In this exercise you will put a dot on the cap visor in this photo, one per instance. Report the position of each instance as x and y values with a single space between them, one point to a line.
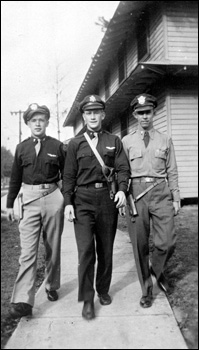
144 108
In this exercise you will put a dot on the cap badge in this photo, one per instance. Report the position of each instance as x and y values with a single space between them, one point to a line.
141 100
92 99
33 106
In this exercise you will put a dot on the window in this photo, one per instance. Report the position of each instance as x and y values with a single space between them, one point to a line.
143 37
122 62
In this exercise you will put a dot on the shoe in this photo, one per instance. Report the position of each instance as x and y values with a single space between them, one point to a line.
88 310
146 300
161 281
52 295
105 299
20 309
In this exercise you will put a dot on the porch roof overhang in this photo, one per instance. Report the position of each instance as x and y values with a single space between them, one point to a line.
140 80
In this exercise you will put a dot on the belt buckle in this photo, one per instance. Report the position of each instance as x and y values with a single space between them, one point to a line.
41 187
98 185
148 179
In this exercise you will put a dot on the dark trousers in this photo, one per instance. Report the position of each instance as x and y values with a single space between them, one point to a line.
156 214
95 229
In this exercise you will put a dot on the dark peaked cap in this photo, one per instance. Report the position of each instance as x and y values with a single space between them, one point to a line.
91 102
143 101
33 109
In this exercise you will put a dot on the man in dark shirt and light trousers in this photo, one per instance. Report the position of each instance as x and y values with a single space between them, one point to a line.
89 205
37 170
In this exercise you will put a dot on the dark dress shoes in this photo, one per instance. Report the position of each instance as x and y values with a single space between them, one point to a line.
161 281
105 299
20 309
52 295
146 300
88 310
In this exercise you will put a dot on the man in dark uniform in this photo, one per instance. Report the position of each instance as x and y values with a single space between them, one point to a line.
89 204
155 180
37 169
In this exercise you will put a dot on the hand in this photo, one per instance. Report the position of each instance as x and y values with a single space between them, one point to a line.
69 213
120 198
10 214
176 206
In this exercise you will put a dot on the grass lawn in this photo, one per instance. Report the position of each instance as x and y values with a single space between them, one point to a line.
10 250
182 271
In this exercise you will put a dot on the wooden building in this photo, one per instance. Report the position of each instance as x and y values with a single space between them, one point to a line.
152 47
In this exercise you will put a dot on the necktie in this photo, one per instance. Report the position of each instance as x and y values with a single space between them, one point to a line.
38 146
95 139
146 138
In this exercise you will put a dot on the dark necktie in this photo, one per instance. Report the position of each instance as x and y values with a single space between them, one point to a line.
146 138
38 146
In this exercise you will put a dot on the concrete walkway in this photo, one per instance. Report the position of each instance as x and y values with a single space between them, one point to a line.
121 325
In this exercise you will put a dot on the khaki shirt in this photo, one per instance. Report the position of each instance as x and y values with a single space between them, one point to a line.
157 160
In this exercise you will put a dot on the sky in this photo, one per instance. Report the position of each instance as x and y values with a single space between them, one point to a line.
46 47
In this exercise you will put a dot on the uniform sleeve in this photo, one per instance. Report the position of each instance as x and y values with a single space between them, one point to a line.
172 172
62 156
15 179
70 173
122 167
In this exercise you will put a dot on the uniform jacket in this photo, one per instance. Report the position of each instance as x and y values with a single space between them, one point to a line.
83 168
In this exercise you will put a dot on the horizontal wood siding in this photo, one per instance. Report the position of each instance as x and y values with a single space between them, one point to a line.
156 38
184 128
132 124
115 127
160 118
114 79
182 30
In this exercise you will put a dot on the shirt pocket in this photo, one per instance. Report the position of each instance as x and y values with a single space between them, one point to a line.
84 159
26 162
109 157
160 159
51 167
135 154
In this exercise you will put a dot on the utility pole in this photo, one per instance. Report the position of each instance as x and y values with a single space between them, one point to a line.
57 103
18 113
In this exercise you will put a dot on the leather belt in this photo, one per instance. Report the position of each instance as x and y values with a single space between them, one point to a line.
39 187
95 185
147 179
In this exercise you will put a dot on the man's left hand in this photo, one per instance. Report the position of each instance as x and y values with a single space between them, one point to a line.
120 198
176 206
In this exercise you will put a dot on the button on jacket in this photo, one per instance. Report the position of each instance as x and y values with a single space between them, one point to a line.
157 160
46 167
83 168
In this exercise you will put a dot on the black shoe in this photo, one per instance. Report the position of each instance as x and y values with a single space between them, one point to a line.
146 300
20 309
52 295
105 299
88 310
161 281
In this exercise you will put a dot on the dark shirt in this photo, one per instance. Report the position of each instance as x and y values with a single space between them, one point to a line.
28 168
83 168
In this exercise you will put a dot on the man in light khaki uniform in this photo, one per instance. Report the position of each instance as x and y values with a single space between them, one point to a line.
154 178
